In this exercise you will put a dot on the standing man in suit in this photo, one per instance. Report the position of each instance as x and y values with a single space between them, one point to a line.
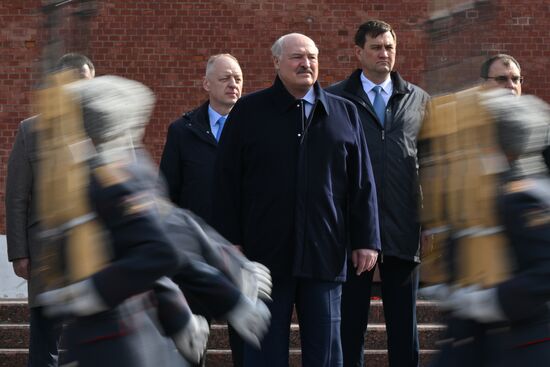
391 111
189 154
22 223
294 188
192 142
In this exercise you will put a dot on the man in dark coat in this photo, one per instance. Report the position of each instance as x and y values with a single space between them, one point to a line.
295 190
391 112
189 155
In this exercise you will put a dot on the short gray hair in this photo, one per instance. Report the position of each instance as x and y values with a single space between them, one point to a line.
212 59
277 48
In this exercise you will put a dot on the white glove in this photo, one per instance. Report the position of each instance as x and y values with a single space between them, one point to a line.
437 292
250 320
78 299
256 281
191 340
476 304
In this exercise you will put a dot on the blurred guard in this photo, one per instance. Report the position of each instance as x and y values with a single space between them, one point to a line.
110 328
22 223
509 324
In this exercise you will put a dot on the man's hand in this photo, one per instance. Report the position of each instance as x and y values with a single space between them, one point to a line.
363 260
22 267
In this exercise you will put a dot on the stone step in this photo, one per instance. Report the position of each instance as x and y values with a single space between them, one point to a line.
378 358
222 358
17 336
13 357
14 331
16 311
429 335
13 312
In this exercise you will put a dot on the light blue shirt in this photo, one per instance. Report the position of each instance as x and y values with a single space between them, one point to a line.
310 99
386 92
213 116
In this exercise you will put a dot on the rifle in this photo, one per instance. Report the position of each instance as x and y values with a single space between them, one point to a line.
74 246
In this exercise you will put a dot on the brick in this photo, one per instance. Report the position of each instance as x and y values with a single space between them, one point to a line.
167 42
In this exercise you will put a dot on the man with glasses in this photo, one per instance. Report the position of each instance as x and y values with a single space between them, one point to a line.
502 71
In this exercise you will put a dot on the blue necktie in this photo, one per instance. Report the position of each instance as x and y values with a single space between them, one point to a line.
220 123
379 104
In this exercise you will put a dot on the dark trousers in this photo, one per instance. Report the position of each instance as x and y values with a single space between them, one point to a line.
468 343
399 288
44 340
120 337
237 346
318 309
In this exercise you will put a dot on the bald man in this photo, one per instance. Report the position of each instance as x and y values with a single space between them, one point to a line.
191 144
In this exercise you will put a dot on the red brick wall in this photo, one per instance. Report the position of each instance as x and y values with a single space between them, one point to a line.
165 44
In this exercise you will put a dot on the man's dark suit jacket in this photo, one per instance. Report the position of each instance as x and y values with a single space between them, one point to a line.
188 160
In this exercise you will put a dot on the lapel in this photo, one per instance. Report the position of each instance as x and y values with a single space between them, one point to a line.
354 91
200 125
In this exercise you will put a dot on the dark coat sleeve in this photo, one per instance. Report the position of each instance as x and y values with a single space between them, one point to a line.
170 163
172 309
142 252
226 210
210 275
527 221
19 184
209 292
364 226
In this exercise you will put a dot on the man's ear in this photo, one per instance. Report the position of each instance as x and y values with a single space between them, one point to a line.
206 84
358 52
276 62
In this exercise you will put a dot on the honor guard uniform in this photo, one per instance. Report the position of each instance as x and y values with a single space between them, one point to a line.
508 324
109 325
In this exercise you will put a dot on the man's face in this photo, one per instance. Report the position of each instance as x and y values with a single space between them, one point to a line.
377 56
224 83
298 65
502 76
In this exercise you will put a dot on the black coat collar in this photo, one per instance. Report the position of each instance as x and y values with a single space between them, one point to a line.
199 122
284 100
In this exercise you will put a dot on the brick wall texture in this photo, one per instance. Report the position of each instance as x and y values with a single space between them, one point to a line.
165 45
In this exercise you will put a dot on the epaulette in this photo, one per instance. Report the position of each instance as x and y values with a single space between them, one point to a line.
518 186
537 218
110 175
138 203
